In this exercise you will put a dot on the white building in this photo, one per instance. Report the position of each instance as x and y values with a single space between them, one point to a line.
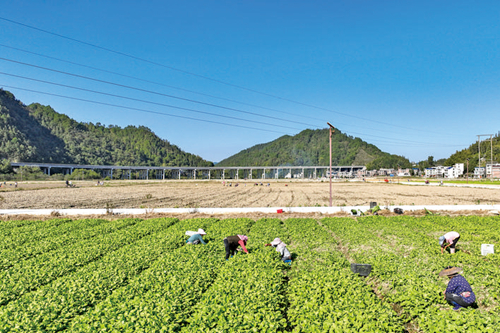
455 171
479 172
435 171
445 172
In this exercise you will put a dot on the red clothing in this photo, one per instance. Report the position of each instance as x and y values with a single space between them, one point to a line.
242 244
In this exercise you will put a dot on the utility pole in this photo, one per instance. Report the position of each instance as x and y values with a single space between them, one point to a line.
467 171
491 143
479 149
331 129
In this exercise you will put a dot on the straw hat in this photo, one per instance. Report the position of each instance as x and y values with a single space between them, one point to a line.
450 271
201 232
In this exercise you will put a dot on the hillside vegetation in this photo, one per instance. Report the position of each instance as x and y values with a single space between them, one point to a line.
37 133
472 153
310 147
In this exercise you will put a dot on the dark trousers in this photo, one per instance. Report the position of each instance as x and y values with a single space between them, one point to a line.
454 243
230 248
454 298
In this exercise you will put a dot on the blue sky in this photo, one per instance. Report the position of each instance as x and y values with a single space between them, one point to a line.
415 78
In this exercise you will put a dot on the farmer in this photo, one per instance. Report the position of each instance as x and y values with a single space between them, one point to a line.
231 243
281 248
458 293
196 237
449 239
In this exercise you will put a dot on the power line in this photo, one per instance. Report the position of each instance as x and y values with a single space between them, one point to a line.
145 101
141 110
152 92
209 78
159 83
204 112
174 87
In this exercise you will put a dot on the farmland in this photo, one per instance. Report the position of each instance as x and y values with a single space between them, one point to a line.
136 275
206 194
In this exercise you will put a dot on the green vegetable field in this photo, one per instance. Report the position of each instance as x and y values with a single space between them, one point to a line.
135 275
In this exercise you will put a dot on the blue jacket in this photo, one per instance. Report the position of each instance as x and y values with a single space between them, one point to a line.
458 285
196 237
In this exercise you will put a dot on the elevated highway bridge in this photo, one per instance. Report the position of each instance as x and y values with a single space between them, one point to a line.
216 172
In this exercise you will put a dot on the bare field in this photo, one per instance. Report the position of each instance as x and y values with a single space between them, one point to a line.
195 194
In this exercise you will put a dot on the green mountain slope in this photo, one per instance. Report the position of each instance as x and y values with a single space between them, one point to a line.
472 153
310 147
37 133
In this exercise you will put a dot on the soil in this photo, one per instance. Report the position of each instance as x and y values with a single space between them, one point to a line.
206 194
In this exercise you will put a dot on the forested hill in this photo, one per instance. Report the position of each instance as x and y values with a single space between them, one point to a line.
310 147
472 153
37 133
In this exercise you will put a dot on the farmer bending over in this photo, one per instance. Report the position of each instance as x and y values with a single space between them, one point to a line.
449 239
231 243
281 248
458 293
196 237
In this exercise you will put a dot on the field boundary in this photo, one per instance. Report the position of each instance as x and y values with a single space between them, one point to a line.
485 209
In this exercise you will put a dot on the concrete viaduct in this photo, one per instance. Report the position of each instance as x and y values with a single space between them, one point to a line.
241 172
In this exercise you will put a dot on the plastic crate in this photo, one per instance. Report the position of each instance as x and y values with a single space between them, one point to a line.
361 269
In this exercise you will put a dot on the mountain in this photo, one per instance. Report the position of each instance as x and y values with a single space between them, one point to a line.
37 133
310 147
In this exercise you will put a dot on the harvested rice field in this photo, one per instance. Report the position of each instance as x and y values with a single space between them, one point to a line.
197 194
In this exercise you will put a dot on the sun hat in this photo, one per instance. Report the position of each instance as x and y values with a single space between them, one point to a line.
450 271
441 240
275 242
243 238
201 232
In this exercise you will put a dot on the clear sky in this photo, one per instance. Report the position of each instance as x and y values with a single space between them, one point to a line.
415 78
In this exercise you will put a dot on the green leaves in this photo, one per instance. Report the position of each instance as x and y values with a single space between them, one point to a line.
138 276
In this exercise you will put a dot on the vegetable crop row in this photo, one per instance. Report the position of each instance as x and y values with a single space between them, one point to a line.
52 307
249 292
15 237
73 232
6 226
406 260
324 295
28 275
162 297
